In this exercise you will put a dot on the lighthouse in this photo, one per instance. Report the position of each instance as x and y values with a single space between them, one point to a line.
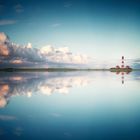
121 68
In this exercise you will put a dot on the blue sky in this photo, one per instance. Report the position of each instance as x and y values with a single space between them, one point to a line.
99 28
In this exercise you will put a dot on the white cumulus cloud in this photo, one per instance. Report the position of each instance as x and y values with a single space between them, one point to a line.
46 55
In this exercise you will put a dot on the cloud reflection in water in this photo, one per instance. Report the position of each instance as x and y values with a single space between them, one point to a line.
17 84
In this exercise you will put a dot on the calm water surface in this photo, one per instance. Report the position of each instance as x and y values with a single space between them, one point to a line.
70 105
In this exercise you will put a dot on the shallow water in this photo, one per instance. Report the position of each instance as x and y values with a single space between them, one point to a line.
70 105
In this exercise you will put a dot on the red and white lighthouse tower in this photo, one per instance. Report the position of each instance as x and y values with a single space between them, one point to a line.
122 66
121 69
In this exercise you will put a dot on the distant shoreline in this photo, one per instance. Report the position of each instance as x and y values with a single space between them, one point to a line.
56 69
48 69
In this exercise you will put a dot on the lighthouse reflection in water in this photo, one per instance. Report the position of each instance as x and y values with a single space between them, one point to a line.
69 105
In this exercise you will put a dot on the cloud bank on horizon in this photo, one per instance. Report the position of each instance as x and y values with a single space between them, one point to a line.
12 54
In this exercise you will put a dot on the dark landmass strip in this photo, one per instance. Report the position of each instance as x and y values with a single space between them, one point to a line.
48 69
62 69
